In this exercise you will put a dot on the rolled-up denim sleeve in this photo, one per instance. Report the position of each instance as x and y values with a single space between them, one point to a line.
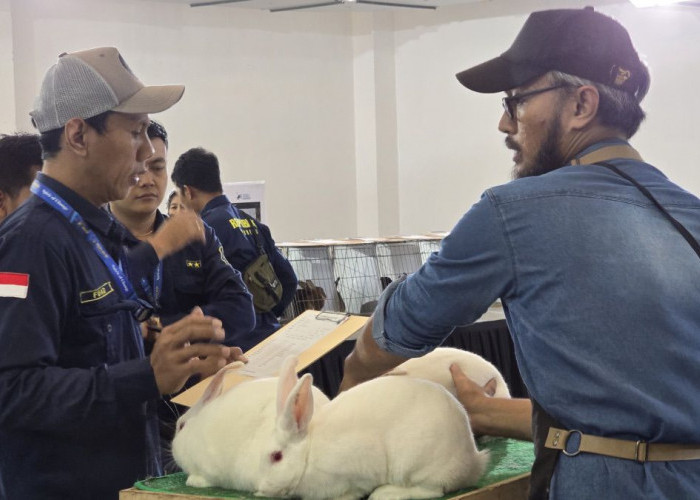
454 287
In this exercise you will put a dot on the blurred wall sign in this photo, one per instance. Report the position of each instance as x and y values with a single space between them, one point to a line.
247 196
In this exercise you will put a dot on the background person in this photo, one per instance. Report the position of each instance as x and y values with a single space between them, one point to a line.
195 276
77 393
599 288
197 177
174 204
20 160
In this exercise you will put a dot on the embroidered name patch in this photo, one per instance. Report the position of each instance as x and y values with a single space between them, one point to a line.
97 294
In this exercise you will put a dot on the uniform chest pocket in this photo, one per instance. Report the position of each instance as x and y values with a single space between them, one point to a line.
105 324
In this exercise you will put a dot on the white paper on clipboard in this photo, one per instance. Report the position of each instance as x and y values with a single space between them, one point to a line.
308 336
297 338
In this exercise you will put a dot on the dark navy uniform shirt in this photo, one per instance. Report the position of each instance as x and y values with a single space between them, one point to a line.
199 275
235 233
77 412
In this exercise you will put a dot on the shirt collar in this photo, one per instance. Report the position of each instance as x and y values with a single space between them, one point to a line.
127 235
98 219
218 201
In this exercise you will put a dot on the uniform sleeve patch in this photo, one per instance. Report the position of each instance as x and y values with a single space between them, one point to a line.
14 285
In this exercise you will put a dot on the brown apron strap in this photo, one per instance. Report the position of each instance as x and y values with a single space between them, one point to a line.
545 458
608 153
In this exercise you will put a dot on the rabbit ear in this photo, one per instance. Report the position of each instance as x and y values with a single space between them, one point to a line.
295 414
216 386
287 381
490 387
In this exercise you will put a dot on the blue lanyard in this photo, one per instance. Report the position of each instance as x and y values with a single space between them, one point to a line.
143 309
154 293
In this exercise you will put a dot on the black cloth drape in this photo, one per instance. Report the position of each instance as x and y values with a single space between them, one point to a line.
489 339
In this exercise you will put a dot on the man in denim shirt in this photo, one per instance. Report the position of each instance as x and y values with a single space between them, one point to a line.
600 290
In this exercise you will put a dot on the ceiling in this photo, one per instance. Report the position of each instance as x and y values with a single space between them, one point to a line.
375 5
282 5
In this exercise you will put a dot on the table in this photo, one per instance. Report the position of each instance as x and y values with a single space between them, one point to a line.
505 479
516 488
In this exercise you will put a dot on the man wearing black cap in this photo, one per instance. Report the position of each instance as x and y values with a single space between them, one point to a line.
594 255
77 393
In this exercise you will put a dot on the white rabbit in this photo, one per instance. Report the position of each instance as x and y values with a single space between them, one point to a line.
435 366
394 437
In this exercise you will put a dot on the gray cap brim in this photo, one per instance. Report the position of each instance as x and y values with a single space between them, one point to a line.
153 99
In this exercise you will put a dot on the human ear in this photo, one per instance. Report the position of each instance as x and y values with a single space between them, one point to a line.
75 133
586 102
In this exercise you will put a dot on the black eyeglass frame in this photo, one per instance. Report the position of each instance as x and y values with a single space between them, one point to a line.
511 103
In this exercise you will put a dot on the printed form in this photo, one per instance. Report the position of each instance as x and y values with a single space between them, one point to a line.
297 337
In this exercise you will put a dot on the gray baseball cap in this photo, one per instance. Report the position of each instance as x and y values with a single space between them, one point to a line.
86 83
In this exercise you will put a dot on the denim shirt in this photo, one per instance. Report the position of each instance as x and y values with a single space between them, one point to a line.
601 297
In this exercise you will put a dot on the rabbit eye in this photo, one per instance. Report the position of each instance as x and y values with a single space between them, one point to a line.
275 456
180 426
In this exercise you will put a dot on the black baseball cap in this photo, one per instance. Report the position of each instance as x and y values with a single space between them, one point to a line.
579 42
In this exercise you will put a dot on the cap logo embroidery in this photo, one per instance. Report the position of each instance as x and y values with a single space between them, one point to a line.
621 76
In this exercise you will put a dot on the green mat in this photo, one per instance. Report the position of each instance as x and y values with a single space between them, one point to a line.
509 458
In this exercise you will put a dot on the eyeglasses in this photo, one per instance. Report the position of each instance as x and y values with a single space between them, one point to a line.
510 104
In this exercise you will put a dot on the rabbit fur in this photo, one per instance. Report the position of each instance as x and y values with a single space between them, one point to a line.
435 366
394 437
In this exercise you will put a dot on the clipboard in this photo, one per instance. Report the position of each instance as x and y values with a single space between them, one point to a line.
308 337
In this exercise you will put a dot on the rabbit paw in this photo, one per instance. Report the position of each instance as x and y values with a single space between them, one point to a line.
197 481
393 492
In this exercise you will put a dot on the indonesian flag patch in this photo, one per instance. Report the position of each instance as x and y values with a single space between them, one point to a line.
14 285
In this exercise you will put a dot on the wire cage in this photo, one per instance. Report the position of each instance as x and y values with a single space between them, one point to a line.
357 275
430 244
313 265
349 275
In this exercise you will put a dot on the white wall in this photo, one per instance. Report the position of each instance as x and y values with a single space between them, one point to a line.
7 85
450 149
270 95
354 120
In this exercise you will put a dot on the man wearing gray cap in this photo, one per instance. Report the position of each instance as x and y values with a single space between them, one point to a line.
77 393
594 255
